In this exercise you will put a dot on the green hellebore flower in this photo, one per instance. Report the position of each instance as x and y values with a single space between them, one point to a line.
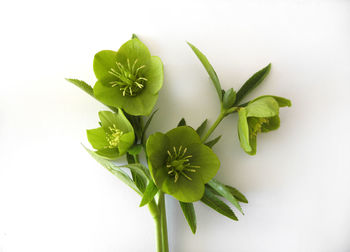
180 164
129 79
114 137
260 115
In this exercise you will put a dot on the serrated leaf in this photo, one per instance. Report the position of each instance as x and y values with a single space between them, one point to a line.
224 192
201 128
150 192
138 168
190 215
182 122
218 205
82 85
119 173
213 142
212 74
252 83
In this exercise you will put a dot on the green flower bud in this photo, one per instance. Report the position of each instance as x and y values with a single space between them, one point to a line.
229 98
260 115
114 137
180 164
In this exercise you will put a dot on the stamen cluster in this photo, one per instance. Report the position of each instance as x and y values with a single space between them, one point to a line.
178 163
114 137
129 78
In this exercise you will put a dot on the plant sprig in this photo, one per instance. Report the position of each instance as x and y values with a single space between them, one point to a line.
180 162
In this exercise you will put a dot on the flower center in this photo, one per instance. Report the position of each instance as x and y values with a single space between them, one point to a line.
113 138
257 127
178 163
129 77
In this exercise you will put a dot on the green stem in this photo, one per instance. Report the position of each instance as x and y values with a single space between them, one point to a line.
222 115
213 127
153 208
161 205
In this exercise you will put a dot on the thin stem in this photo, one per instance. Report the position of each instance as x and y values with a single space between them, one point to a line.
161 205
222 115
213 127
153 208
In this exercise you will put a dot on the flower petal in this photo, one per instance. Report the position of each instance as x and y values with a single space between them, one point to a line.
156 148
109 96
134 49
108 119
155 75
263 107
183 189
125 142
183 135
205 159
243 130
97 138
103 62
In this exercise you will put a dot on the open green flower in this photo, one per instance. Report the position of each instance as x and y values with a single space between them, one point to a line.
180 164
260 115
114 137
129 79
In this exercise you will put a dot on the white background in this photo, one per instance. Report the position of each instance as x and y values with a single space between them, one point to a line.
54 197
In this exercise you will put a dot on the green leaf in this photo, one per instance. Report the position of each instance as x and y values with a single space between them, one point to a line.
224 192
136 149
134 36
252 83
229 98
243 130
211 143
137 168
182 122
119 173
237 194
218 205
201 128
139 180
212 74
82 85
190 215
147 125
150 192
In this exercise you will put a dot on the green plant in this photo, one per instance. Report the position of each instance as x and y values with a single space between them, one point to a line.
181 162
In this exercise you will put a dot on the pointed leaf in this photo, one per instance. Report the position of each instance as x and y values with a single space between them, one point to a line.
190 215
237 194
82 85
252 83
150 192
218 205
138 168
229 98
201 128
119 173
211 143
182 122
225 192
212 74
147 124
